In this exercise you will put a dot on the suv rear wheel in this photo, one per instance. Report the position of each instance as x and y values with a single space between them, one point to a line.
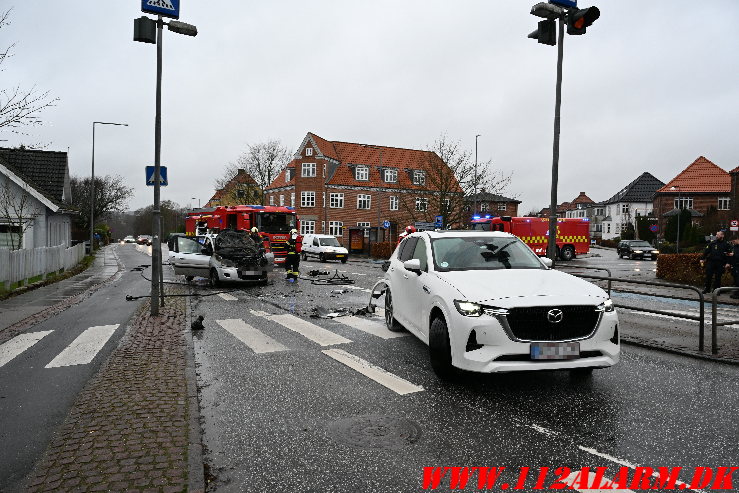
567 253
214 281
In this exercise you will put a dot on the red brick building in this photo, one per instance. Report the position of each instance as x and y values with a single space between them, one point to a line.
335 186
241 189
703 188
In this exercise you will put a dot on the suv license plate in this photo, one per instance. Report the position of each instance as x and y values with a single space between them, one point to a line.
555 350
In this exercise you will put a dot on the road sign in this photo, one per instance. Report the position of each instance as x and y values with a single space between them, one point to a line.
166 8
565 3
421 226
439 221
386 224
162 176
654 228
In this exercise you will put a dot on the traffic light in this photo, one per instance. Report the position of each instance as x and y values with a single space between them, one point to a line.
546 33
579 19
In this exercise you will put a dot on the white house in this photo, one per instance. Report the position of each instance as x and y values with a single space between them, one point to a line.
35 193
634 200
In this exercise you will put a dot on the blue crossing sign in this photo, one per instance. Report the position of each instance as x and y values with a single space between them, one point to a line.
386 224
165 8
162 176
439 221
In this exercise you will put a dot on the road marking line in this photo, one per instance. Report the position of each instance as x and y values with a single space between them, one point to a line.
358 274
20 343
83 349
228 297
257 341
383 377
370 326
359 289
317 334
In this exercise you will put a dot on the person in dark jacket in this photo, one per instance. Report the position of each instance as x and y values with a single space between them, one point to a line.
716 261
292 262
734 261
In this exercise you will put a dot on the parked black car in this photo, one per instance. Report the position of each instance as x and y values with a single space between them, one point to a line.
636 249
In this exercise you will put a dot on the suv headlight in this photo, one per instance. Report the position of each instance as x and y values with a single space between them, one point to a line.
606 306
468 309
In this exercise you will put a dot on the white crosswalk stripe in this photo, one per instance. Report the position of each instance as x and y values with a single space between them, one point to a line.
258 341
379 375
370 326
309 330
84 348
228 297
20 343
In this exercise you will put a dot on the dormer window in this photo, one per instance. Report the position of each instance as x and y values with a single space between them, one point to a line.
308 151
361 173
391 175
419 177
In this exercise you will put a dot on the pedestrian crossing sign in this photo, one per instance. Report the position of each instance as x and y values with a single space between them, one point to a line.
162 176
165 8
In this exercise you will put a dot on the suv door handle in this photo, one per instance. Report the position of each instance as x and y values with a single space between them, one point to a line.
405 276
425 288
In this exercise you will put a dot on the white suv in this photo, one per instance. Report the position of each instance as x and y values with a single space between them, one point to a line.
483 301
325 247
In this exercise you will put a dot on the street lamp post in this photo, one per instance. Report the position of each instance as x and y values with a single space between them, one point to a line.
474 190
679 213
92 183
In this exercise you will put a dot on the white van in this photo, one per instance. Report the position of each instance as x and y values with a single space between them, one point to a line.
325 247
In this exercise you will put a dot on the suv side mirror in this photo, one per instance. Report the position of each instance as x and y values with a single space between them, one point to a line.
546 261
413 265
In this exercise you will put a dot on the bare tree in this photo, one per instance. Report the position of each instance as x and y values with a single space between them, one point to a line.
111 195
19 107
17 212
263 162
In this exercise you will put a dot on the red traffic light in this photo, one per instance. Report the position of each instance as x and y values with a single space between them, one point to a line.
579 20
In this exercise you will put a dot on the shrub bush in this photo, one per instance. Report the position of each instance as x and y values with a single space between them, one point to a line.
685 268
382 250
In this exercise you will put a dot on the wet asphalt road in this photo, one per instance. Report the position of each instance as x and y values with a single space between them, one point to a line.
34 399
296 419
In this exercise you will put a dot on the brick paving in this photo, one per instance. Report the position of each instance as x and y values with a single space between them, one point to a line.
129 429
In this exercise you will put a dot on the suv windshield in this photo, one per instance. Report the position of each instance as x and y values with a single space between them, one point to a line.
276 222
482 253
329 242
481 226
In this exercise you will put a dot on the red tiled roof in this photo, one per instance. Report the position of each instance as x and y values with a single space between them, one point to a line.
702 176
326 147
735 170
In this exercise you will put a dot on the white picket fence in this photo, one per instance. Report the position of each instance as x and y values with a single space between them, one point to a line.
21 265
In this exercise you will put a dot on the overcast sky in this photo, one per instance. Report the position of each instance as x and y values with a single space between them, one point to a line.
650 87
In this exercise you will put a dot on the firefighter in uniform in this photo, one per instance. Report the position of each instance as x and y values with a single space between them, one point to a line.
734 261
292 262
716 261
254 235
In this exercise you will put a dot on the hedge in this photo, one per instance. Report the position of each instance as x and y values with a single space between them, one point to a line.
382 250
685 268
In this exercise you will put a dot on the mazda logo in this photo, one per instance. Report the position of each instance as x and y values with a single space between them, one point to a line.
555 315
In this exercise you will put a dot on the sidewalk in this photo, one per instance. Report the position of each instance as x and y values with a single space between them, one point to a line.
134 427
35 304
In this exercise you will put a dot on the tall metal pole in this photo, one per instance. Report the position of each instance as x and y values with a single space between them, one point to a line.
474 193
679 214
156 264
552 245
379 196
92 194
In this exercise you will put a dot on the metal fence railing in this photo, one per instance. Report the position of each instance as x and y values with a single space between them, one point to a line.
20 265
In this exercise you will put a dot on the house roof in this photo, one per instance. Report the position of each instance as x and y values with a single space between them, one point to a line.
701 176
484 196
241 178
642 189
378 158
46 171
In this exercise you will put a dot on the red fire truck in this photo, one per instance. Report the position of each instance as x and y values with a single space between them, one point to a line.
573 235
274 223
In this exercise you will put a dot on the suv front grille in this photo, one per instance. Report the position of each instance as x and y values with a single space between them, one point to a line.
532 323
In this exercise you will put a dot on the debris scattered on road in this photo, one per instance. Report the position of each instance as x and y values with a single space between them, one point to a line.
316 273
339 291
321 312
335 279
198 323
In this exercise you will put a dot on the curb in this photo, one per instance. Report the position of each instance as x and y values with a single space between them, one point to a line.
196 473
680 352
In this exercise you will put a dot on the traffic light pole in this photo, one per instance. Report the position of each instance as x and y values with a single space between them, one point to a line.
552 245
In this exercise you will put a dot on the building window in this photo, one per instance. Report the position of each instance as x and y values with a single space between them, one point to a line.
484 207
683 202
288 174
361 173
422 204
282 200
9 236
446 205
393 203
391 175
308 151
336 228
419 177
364 201
307 227
309 170
467 208
292 199
336 200
365 225
502 206
625 209
599 211
608 227
723 203
271 200
307 199
598 228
